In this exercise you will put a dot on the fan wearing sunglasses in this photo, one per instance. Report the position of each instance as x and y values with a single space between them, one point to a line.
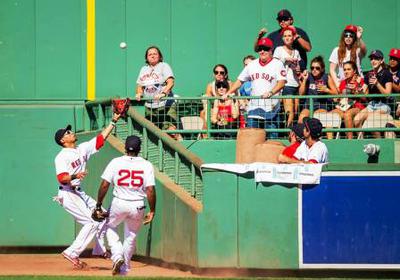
225 112
268 77
316 82
301 42
351 48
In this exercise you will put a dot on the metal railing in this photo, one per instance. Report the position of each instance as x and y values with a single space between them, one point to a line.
173 118
166 154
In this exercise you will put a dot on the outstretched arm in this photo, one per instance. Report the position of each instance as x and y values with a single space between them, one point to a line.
110 127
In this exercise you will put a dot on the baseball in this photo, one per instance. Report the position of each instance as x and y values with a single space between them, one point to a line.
122 45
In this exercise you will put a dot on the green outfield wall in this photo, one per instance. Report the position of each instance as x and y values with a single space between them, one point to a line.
43 43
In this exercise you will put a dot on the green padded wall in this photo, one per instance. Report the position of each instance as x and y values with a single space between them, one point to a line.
43 42
28 176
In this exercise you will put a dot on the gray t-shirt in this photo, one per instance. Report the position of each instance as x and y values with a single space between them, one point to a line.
153 79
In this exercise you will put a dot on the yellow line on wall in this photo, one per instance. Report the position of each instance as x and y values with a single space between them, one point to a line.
91 48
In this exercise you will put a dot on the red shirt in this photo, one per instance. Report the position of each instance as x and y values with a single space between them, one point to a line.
290 150
357 87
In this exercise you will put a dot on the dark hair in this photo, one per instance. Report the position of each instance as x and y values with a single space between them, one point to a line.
223 84
353 65
159 53
225 69
319 59
250 56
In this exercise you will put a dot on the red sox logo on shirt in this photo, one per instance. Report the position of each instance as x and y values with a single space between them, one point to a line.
263 76
78 162
149 76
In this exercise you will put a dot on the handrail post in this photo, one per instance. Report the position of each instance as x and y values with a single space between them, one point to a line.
160 154
145 144
193 185
311 107
208 118
176 167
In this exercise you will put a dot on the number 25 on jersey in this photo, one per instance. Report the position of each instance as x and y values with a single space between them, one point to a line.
130 178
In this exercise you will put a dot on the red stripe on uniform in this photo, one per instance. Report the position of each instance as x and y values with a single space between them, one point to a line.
61 176
313 161
99 141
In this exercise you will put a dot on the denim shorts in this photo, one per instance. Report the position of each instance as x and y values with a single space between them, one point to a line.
375 106
287 90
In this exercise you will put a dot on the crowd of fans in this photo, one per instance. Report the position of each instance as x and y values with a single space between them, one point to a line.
281 69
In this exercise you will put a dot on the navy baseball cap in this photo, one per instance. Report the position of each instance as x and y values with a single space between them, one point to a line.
60 134
284 14
314 126
298 130
377 54
132 144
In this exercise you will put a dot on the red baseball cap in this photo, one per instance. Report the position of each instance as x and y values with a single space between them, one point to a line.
265 42
291 28
351 28
395 53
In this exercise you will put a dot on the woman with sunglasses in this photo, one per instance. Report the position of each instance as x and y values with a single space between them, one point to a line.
290 57
380 81
220 72
351 48
353 83
225 112
316 82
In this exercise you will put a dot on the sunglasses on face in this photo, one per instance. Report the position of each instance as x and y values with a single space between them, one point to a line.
315 68
374 58
349 35
283 19
221 86
263 48
394 58
219 72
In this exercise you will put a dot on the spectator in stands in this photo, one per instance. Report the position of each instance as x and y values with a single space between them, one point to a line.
394 68
380 81
301 42
220 72
155 81
268 77
244 90
296 136
353 83
290 57
316 82
351 48
225 112
312 150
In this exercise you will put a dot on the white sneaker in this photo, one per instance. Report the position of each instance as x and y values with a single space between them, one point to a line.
117 266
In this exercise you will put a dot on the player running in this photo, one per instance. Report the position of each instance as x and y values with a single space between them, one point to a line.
71 169
133 180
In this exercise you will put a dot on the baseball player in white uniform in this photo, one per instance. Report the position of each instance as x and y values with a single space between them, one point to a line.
312 150
133 181
70 166
268 77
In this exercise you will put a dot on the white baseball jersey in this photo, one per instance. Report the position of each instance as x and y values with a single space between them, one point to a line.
73 161
317 153
334 58
152 79
281 54
263 79
130 177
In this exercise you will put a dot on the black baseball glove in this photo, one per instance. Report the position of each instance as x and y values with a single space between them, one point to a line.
99 214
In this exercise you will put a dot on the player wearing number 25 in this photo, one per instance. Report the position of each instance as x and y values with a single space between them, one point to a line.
133 180
71 169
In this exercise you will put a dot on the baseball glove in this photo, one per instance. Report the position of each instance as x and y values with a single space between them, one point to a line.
98 214
121 106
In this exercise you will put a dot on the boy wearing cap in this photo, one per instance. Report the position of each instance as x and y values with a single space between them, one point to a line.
296 137
70 165
301 42
268 77
133 181
380 81
311 150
